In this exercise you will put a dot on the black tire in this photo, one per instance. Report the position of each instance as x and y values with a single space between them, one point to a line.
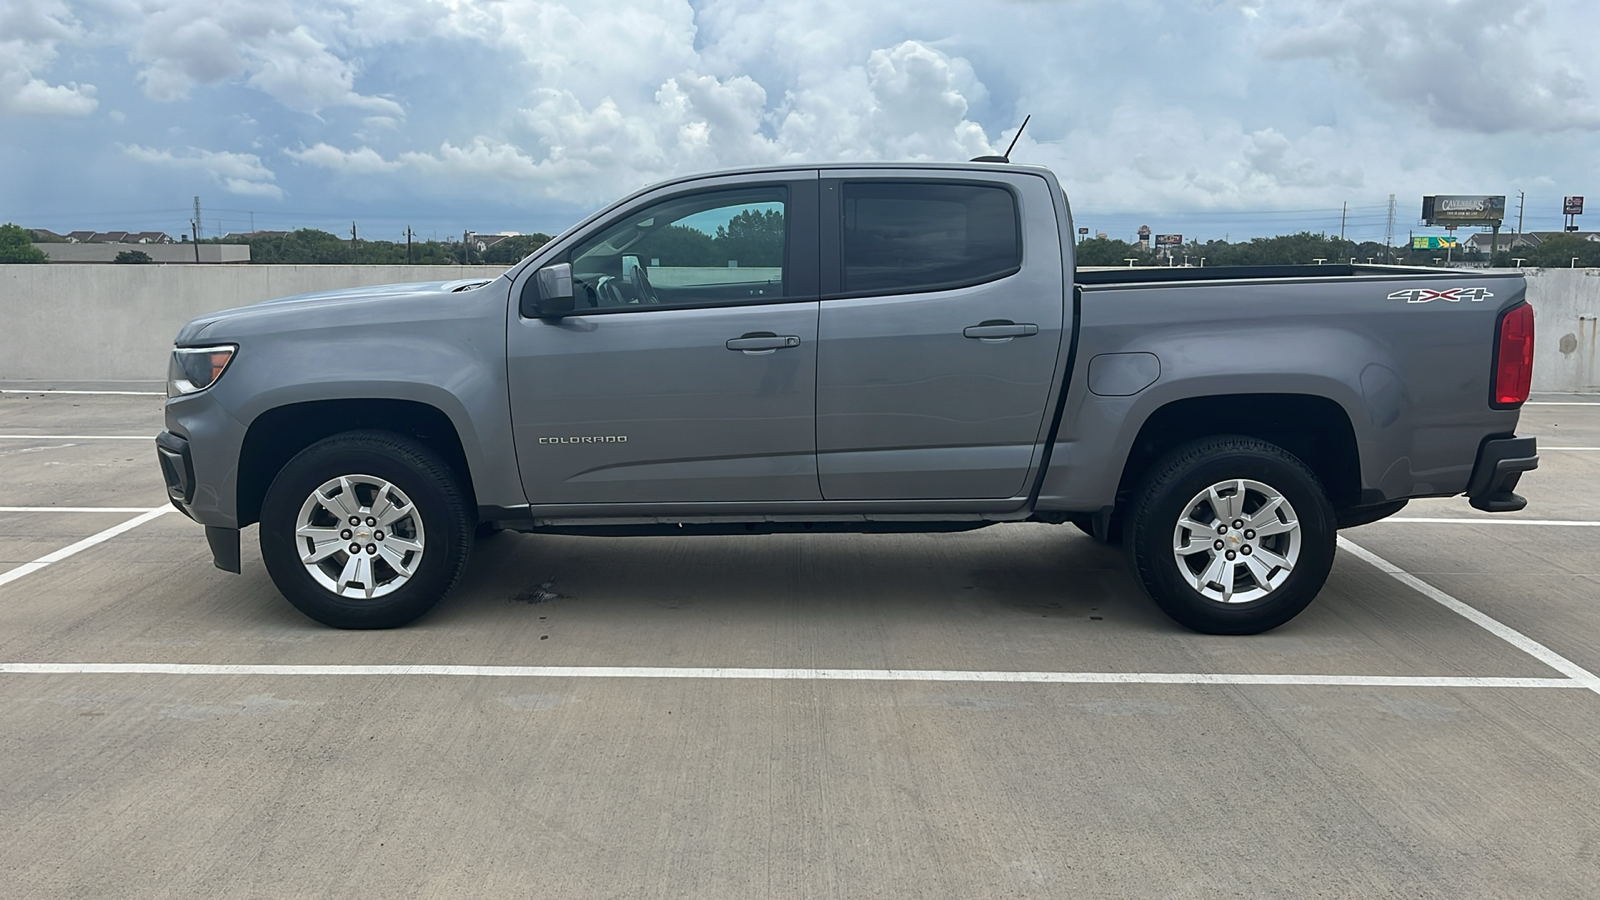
412 468
1162 499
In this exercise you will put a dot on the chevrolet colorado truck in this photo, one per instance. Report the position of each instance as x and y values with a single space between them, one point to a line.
855 347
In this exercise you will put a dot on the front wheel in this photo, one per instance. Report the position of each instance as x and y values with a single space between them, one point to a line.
1231 535
365 529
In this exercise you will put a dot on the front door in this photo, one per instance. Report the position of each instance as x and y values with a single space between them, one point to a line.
939 336
687 371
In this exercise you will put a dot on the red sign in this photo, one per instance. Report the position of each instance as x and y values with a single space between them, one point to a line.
1572 206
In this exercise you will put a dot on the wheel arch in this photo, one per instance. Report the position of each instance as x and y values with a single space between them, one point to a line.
1315 429
276 435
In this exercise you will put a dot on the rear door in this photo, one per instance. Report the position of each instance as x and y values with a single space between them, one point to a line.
687 371
941 321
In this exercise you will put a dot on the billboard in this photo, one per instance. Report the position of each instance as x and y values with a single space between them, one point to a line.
1432 243
1169 240
1572 206
1464 209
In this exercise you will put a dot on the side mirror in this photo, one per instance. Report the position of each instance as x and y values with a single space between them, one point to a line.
548 292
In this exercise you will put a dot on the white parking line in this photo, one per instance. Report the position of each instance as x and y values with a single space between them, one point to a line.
77 437
80 546
1581 676
1560 403
1543 448
797 674
106 393
1485 520
74 509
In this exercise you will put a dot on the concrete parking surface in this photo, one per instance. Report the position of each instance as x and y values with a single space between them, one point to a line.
1000 713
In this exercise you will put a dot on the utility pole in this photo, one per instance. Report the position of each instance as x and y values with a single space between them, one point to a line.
1388 234
352 243
1522 200
408 245
197 218
466 250
1344 210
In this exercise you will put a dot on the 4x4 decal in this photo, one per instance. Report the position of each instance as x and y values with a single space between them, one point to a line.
1453 295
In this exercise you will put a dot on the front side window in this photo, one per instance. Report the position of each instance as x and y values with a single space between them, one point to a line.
699 249
904 237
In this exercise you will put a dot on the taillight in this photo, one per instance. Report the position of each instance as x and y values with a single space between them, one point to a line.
1513 366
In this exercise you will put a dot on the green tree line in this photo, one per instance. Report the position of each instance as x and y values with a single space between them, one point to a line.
1305 248
310 246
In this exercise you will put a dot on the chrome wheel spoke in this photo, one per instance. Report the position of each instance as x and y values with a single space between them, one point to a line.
401 545
1275 526
1229 568
1212 573
1266 544
358 574
1258 569
1226 507
357 569
334 505
383 509
396 558
1268 513
325 542
1273 560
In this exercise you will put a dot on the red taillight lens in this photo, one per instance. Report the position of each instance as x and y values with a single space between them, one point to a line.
1513 367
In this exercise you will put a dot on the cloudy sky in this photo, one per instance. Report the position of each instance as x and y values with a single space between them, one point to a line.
1210 117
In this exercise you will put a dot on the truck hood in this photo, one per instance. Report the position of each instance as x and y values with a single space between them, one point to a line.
381 295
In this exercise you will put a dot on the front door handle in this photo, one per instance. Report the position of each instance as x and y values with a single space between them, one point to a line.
763 341
1003 329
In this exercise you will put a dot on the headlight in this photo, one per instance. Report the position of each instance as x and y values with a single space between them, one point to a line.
196 368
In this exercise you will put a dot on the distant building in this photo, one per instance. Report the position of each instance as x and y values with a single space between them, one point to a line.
102 237
1481 241
253 235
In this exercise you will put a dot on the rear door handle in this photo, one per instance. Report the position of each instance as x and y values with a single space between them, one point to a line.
998 328
763 341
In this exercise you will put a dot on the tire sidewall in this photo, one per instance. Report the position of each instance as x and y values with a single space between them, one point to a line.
1150 540
329 459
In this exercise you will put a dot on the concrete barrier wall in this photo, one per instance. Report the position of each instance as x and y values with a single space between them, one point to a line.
1566 308
62 322
116 323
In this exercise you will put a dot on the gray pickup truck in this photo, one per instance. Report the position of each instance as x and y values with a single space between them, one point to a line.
859 348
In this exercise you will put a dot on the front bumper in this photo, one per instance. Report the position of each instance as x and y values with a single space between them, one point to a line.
177 470
1501 462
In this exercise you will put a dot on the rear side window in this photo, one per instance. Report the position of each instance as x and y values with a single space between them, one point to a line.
904 237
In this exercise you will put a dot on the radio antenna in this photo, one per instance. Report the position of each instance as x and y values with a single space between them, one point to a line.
1017 136
1006 157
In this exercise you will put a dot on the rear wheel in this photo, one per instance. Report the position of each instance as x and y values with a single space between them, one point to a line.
1231 535
365 529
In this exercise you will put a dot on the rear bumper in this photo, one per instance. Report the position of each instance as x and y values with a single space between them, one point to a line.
1501 462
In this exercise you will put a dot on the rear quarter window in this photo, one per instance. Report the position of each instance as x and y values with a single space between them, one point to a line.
906 237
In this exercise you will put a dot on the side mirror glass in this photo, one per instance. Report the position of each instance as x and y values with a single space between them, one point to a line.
552 290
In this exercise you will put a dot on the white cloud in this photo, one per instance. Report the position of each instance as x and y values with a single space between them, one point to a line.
1474 65
30 31
551 105
185 43
238 173
364 161
906 102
